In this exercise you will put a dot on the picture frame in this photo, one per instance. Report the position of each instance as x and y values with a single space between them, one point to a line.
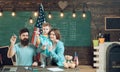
112 23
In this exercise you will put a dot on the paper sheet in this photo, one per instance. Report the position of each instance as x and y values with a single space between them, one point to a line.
55 69
13 69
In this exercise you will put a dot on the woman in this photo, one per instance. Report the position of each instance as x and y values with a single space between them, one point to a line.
57 49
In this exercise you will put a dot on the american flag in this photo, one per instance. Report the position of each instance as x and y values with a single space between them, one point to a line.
38 28
38 25
76 59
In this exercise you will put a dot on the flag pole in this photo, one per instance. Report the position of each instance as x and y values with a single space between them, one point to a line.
38 28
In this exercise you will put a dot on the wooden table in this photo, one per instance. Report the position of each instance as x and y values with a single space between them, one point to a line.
35 69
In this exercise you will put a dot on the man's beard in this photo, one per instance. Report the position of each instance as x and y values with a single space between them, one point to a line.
25 42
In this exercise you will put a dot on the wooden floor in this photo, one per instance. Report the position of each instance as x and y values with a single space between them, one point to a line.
86 68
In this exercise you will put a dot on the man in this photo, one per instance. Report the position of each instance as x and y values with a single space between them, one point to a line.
23 50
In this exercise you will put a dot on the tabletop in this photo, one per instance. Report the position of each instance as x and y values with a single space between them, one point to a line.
38 69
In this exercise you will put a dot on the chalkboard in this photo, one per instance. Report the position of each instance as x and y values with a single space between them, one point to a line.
112 23
10 25
74 31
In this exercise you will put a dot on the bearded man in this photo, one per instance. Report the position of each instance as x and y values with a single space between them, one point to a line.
24 51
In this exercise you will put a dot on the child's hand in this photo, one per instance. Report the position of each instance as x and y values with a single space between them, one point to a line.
37 36
37 33
43 47
35 64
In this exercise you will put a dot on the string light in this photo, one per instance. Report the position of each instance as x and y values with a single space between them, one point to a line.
83 14
49 15
61 14
1 12
74 14
35 13
84 10
30 20
13 12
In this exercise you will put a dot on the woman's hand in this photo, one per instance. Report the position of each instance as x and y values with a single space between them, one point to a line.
50 48
43 47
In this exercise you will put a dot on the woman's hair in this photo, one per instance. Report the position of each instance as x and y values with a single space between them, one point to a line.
57 33
23 31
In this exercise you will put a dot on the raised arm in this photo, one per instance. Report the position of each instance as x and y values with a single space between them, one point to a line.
11 52
59 53
37 38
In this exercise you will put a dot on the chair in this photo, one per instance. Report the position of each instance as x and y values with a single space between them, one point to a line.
4 59
13 60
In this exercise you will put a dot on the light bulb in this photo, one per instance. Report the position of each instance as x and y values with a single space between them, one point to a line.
84 15
61 14
74 15
35 13
31 20
1 13
49 16
13 13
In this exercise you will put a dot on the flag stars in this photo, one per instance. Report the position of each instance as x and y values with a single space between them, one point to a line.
41 18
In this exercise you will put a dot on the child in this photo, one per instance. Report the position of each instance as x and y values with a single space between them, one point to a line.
44 43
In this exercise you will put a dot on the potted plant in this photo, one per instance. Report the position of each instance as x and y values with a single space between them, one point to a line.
95 40
97 34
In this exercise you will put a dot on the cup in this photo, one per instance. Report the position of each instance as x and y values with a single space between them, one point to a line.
95 43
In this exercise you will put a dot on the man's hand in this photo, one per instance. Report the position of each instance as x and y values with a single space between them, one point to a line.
10 52
13 39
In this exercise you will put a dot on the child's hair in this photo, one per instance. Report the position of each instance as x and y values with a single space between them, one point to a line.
23 31
46 24
57 33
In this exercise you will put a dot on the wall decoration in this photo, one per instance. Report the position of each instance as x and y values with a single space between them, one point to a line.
62 4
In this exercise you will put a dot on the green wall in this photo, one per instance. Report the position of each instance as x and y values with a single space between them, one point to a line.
74 31
10 25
